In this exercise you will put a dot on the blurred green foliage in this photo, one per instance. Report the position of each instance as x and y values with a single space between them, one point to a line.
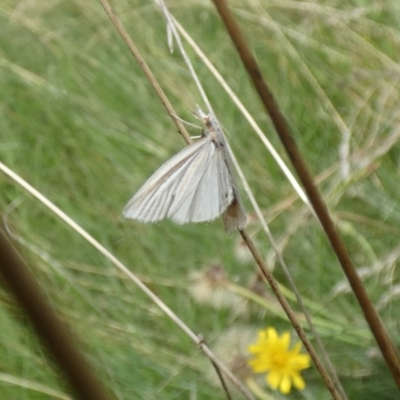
79 122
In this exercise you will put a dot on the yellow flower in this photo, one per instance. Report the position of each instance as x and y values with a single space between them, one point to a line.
283 366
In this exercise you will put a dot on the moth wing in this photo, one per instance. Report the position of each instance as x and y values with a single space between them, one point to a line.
208 195
193 186
199 197
153 200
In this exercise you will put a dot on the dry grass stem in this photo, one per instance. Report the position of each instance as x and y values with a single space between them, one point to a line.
382 337
90 239
289 312
241 175
146 70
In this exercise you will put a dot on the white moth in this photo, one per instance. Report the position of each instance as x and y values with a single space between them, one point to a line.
195 185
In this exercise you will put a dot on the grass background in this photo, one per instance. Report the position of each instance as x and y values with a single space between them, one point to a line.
80 123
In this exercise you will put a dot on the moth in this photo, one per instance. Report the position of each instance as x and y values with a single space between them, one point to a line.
195 185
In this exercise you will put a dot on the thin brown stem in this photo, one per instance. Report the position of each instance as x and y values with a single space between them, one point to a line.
381 335
145 68
149 75
175 26
289 312
48 327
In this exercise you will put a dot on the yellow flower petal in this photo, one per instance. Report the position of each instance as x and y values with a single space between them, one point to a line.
301 361
298 382
286 384
258 366
285 341
297 347
271 334
274 379
271 355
